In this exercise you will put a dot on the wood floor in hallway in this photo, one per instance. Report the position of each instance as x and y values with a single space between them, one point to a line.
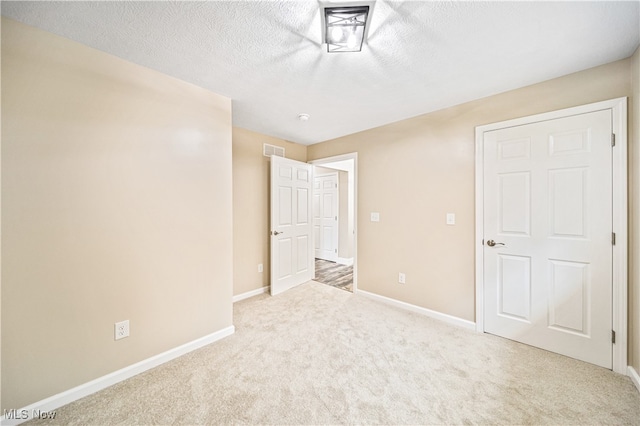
334 274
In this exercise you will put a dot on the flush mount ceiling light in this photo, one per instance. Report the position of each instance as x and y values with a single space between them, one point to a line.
345 25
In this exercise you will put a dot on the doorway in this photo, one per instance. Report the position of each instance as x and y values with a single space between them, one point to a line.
551 232
335 221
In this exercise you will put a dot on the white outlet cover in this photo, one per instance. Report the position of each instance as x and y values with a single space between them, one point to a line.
121 330
375 217
260 267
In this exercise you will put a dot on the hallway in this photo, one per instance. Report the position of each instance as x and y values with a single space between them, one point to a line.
334 274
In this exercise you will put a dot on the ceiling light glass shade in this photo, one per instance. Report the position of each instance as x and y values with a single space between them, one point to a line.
345 28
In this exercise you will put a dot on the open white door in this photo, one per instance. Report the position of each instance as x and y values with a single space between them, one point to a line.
291 225
325 217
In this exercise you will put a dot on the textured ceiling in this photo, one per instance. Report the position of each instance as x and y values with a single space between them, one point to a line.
421 56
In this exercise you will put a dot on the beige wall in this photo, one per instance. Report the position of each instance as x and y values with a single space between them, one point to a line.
415 171
634 216
251 206
319 170
116 204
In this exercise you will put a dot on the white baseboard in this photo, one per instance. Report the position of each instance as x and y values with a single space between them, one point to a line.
48 405
347 261
251 293
635 377
423 311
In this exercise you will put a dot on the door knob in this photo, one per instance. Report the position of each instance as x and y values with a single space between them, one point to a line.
276 233
492 243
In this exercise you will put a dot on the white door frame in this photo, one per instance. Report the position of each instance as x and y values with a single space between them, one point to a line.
618 109
350 156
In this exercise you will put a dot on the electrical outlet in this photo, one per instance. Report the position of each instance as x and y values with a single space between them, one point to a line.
121 330
260 268
402 278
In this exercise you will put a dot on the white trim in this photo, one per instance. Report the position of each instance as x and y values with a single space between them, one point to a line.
618 109
633 375
73 394
620 249
450 319
479 229
345 261
350 156
251 293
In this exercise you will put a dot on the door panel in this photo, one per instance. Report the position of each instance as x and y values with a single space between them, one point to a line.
514 287
291 228
284 250
302 214
515 203
569 299
285 211
548 205
302 259
567 193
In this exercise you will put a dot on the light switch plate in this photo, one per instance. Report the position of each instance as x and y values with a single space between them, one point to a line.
375 217
451 218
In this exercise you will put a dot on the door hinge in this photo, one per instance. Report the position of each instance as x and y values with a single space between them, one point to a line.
613 238
336 185
335 250
613 336
336 218
613 139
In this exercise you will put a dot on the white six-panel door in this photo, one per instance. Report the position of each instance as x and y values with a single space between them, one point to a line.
325 217
548 235
291 225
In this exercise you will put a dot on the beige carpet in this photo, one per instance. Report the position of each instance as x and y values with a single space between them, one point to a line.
320 355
